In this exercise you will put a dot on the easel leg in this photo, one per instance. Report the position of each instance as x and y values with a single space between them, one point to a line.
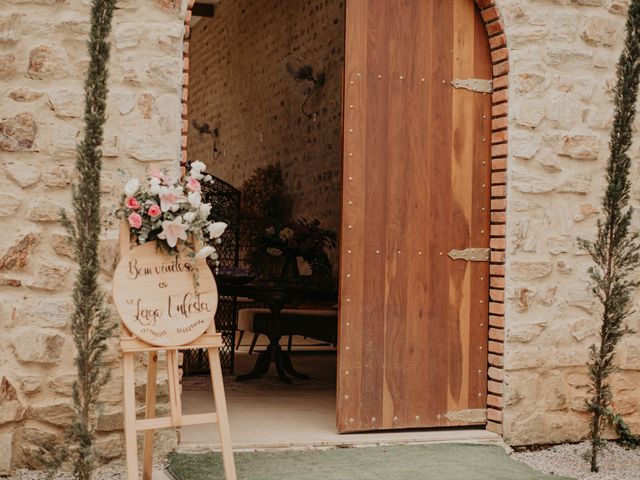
150 412
223 418
174 388
130 415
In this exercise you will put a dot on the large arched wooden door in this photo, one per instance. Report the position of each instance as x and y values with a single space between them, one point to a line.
413 325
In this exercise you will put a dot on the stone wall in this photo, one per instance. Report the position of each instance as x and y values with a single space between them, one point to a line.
238 83
42 64
562 55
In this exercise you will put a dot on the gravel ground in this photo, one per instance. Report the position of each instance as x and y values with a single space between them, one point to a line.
573 460
111 471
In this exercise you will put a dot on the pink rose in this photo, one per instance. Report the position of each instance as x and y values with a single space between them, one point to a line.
132 203
193 185
135 220
154 210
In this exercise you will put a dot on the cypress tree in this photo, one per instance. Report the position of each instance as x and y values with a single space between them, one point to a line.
615 250
90 324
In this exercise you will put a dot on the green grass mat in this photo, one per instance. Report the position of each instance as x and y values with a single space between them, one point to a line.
411 462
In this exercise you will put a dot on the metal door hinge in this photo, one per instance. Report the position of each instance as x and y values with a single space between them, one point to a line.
474 84
472 254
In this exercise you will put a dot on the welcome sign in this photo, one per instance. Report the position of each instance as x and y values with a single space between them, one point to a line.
157 299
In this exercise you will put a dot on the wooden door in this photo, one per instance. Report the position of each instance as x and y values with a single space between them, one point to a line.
413 323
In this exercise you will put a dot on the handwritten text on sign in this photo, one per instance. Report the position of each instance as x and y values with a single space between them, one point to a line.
157 299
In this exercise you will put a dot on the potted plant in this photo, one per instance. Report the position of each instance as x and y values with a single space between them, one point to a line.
276 251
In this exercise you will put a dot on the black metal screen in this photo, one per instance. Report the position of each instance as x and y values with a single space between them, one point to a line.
225 202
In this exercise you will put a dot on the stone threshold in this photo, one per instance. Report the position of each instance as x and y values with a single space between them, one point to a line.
357 440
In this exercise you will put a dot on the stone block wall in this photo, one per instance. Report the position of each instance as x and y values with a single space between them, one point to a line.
563 55
238 83
42 65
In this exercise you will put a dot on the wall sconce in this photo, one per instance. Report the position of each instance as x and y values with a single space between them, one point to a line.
205 129
307 82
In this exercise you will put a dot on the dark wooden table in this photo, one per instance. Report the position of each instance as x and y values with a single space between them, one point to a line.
277 295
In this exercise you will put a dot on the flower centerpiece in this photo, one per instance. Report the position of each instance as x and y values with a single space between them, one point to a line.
296 238
171 211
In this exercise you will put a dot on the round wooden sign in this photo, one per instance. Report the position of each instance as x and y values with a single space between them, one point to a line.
156 296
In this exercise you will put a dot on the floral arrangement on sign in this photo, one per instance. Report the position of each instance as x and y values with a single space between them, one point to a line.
171 211
296 238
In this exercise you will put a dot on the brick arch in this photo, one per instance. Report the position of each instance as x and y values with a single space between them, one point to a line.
499 151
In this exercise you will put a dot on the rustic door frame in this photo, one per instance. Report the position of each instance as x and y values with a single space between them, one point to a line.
499 152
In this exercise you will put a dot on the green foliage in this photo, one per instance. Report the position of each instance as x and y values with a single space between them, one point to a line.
296 238
264 198
90 325
616 249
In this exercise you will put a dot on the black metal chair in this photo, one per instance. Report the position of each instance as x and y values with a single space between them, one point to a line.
225 202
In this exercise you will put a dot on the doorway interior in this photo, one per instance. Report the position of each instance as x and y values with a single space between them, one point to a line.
265 100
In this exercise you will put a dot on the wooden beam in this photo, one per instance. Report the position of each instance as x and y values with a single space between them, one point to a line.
202 10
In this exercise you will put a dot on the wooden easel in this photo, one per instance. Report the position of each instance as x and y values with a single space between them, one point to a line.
130 345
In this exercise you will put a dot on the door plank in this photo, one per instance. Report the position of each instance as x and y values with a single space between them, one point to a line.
352 258
375 181
481 216
462 133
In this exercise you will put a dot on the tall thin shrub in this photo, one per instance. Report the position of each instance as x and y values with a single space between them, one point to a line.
90 324
616 248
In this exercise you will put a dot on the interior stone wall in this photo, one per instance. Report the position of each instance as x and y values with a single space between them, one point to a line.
238 83
42 65
563 55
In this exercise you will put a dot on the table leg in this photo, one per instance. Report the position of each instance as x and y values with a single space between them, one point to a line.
274 352
260 368
288 366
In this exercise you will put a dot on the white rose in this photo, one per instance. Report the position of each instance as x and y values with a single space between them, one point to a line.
189 217
205 210
205 252
154 186
131 187
195 199
216 229
198 166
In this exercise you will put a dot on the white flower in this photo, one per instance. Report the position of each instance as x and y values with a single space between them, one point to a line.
195 199
171 198
286 234
189 217
172 231
205 252
196 175
198 166
168 178
208 178
274 252
154 186
216 229
214 256
131 187
270 230
205 210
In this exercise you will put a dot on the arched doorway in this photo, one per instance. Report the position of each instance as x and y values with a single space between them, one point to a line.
487 36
